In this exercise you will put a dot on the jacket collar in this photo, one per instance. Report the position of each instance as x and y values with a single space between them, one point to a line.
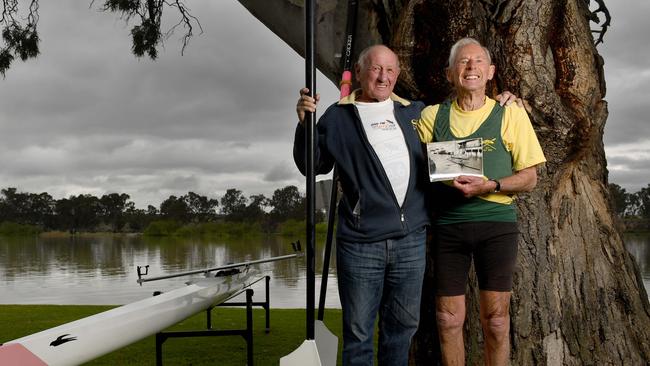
350 99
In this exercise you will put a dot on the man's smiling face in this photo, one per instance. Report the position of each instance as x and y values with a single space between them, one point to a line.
378 74
471 69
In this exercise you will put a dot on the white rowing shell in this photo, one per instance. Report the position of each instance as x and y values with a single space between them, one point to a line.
88 338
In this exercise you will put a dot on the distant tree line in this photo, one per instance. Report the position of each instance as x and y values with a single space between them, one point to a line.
630 205
115 212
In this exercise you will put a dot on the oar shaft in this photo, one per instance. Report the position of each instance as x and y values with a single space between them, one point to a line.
227 266
346 61
310 79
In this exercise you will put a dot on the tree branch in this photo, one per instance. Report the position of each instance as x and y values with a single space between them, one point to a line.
593 16
147 35
19 40
186 21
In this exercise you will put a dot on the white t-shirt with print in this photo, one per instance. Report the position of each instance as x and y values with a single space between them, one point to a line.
387 139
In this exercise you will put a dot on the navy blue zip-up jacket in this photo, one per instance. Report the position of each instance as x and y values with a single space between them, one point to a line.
341 139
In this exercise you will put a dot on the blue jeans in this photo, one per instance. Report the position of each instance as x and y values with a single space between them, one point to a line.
385 277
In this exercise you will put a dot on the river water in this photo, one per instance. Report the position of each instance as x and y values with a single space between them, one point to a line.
102 269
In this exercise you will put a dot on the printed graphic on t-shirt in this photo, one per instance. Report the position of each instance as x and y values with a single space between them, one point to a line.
386 125
488 144
387 140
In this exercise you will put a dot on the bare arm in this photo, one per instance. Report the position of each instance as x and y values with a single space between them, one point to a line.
522 181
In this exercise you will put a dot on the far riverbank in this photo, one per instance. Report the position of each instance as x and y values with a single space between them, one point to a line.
635 225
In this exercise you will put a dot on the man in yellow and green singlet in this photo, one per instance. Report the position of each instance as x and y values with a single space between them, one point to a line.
475 216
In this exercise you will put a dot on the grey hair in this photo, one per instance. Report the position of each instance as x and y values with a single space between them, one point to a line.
363 56
462 43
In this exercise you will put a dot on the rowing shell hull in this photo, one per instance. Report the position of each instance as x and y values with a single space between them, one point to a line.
88 338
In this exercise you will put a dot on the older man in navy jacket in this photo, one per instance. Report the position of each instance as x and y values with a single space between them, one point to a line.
382 215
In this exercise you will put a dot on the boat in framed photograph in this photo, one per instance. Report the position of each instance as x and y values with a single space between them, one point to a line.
450 159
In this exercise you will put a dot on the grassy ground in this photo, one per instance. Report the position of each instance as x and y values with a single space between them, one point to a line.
287 333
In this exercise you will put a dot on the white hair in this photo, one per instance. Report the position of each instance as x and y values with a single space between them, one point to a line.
363 56
462 43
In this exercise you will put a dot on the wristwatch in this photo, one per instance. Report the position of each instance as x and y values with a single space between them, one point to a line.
497 189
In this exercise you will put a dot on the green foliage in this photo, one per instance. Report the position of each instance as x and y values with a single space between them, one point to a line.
293 228
26 208
620 199
113 208
13 229
20 34
630 204
176 209
24 41
122 5
146 37
643 201
162 228
287 203
242 229
208 229
5 60
78 213
19 39
233 205
201 208
193 213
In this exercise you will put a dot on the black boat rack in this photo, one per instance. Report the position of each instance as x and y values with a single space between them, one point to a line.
246 333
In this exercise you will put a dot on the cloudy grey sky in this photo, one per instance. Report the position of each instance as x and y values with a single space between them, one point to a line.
86 116
627 72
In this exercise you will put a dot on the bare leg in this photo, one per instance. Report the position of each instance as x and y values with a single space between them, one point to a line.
495 319
450 312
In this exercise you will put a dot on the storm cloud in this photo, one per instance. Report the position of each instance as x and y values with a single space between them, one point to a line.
86 116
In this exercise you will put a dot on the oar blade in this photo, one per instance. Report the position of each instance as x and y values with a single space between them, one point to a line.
327 344
305 355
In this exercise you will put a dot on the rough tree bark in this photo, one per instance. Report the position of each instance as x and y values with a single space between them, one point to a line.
578 297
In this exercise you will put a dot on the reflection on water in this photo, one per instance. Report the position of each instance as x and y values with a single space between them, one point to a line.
102 269
639 246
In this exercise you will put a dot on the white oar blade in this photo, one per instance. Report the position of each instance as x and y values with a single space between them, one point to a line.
305 355
327 344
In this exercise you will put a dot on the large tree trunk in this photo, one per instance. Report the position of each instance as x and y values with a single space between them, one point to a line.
578 298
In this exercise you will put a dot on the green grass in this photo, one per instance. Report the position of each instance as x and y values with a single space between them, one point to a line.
287 333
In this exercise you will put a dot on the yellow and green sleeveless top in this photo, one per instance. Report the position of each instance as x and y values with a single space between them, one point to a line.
497 163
